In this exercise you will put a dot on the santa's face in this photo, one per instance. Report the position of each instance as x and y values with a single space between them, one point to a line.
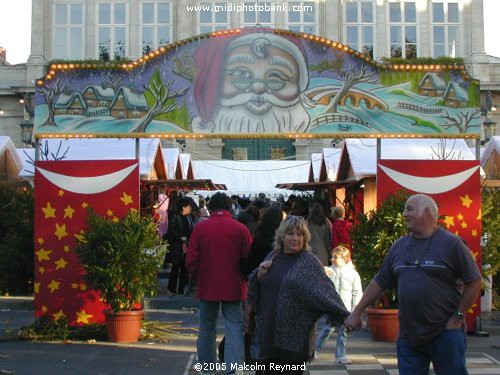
260 82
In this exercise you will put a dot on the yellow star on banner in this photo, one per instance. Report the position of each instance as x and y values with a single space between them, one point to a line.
79 236
36 287
83 317
463 225
41 241
61 263
74 285
68 212
460 216
53 286
85 205
59 315
60 193
115 220
474 233
448 220
466 201
471 309
60 231
49 211
66 248
41 270
126 199
474 255
109 212
43 254
479 215
44 309
83 287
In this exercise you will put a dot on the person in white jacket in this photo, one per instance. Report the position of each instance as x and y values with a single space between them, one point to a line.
347 282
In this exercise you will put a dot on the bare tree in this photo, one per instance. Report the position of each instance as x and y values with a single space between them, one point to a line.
351 76
45 153
462 121
162 94
112 79
51 93
443 153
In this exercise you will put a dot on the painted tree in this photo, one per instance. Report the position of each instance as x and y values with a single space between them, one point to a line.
162 95
351 76
112 79
51 93
443 152
462 121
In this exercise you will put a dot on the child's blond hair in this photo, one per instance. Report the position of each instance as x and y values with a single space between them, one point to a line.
343 252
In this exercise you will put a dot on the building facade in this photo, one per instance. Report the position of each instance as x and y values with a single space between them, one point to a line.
114 29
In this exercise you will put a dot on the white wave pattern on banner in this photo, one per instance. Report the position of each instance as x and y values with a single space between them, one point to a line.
87 185
429 185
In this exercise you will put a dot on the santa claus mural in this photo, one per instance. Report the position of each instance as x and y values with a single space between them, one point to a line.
252 83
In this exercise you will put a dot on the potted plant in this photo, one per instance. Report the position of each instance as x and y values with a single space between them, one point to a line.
121 259
372 237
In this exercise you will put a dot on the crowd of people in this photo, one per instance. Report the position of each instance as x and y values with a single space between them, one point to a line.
275 269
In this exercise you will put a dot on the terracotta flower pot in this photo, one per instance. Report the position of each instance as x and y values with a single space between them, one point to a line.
384 324
123 326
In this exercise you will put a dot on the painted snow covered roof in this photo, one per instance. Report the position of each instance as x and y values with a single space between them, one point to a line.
98 149
11 161
362 153
252 176
460 93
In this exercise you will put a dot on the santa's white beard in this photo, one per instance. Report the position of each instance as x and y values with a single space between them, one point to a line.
237 119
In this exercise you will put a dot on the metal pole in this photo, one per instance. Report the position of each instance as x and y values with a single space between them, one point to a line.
137 148
37 150
478 149
379 148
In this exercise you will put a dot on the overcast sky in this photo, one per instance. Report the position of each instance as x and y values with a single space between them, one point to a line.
15 28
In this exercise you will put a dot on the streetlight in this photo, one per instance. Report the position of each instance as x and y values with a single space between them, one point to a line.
27 132
489 127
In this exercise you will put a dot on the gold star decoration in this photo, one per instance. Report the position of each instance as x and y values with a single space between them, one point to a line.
59 315
61 263
44 309
66 248
53 286
463 225
41 270
83 317
460 216
474 233
41 241
49 211
79 236
471 309
126 199
43 254
448 220
36 287
60 231
474 255
479 215
115 219
68 212
466 201
109 212
83 287
60 193
74 285
85 205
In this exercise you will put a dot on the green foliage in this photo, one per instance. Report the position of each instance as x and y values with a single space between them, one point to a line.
374 234
420 122
443 60
121 259
491 230
112 64
16 241
47 329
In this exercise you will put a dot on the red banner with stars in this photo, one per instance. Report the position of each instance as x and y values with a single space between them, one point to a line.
455 186
64 191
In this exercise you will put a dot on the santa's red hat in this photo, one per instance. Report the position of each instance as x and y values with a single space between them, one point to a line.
210 65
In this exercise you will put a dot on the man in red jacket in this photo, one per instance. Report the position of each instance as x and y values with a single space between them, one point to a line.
213 259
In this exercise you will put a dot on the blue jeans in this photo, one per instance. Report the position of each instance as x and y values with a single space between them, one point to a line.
324 335
234 348
446 352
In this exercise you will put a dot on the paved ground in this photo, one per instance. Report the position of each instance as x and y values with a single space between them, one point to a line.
177 356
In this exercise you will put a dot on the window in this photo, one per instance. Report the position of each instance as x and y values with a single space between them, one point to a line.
359 26
240 153
302 16
112 30
213 16
69 31
446 28
277 153
403 29
156 25
262 15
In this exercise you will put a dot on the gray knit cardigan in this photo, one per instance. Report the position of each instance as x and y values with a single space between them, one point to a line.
305 295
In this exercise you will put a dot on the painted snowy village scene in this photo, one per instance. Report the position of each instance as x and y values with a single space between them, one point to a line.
256 81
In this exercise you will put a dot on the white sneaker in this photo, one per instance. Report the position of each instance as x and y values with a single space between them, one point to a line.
343 361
